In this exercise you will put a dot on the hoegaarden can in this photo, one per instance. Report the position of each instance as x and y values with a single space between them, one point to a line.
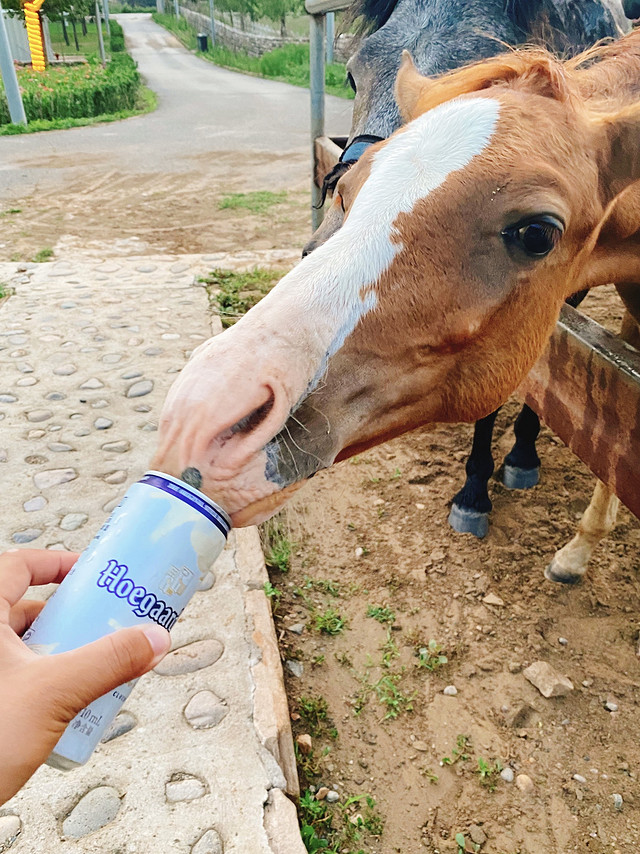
143 566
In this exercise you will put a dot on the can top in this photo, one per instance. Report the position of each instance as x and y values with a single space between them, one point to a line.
198 500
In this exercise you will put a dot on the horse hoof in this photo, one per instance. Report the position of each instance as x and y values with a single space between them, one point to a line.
469 521
517 478
561 576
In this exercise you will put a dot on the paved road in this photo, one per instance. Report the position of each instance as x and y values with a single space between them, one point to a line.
203 110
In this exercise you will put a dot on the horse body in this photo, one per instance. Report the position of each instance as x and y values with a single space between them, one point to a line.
511 187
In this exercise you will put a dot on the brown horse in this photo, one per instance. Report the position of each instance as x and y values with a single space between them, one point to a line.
513 185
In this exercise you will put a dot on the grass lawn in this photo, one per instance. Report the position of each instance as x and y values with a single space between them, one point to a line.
88 44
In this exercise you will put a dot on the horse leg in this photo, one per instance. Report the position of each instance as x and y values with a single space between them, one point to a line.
522 463
569 564
471 505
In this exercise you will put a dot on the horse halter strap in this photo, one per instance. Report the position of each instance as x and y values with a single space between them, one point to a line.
358 146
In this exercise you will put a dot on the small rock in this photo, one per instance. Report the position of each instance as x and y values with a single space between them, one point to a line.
184 787
65 370
297 628
170 336
120 447
153 351
123 723
23 382
36 434
514 667
140 388
477 834
611 706
563 641
59 447
359 551
73 521
103 423
450 691
617 801
4 455
82 431
193 656
295 668
146 268
304 743
422 746
131 375
111 505
209 843
205 710
10 827
332 797
26 536
111 358
39 415
525 784
56 395
53 477
33 504
8 398
587 683
492 599
180 267
322 793
547 680
92 383
100 404
24 368
96 809
579 778
118 476
507 775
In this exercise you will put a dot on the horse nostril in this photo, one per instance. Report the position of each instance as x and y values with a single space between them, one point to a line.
253 419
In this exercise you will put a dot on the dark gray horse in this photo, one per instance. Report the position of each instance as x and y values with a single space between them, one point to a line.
442 35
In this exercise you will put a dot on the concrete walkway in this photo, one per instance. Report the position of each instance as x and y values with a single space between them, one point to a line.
201 759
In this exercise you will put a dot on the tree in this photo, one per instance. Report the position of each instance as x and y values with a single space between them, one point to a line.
277 10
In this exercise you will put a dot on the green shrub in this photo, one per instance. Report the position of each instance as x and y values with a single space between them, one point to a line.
117 37
78 91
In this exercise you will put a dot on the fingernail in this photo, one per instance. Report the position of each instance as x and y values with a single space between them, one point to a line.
158 638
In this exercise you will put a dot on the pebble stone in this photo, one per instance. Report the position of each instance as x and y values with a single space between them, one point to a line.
209 843
26 536
8 398
24 382
4 455
36 503
96 809
617 801
547 680
140 388
611 706
82 431
59 447
92 383
295 668
53 477
205 710
450 691
332 797
525 783
25 368
193 656
103 423
131 375
36 434
116 476
184 787
119 447
579 778
55 395
73 521
507 775
65 370
100 404
10 827
124 722
37 415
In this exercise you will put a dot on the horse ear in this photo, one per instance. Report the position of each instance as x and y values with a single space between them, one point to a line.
613 250
410 85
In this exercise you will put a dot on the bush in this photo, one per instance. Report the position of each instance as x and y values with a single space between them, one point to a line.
79 91
117 37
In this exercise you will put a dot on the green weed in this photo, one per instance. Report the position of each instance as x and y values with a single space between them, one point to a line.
330 622
313 710
10 211
259 202
381 613
431 657
459 752
43 255
273 594
389 649
232 294
489 773
392 697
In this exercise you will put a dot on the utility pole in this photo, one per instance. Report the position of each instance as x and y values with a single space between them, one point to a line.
10 78
105 9
103 57
213 23
331 35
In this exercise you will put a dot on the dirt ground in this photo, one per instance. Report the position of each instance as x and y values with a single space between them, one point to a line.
373 532
390 504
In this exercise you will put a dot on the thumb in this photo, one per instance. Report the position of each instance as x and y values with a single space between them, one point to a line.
86 673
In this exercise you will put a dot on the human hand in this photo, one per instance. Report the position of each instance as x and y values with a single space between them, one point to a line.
40 695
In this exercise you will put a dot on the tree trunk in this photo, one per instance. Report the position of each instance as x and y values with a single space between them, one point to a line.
75 34
64 29
83 21
283 26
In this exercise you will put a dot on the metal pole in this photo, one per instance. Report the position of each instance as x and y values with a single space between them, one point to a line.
10 78
213 23
316 85
103 57
160 6
177 8
331 35
105 9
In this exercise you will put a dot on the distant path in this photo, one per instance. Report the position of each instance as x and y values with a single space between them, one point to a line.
213 129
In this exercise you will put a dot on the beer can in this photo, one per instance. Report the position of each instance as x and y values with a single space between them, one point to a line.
143 566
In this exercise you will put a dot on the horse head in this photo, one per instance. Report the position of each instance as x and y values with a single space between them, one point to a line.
512 186
442 35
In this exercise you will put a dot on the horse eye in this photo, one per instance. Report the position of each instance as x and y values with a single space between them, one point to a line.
351 81
537 237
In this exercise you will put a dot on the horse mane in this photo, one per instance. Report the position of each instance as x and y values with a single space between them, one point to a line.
603 81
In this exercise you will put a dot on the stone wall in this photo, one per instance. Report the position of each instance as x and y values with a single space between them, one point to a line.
237 40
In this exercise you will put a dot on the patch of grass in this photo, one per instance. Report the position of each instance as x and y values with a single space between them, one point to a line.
431 657
389 650
259 202
326 585
330 622
276 544
459 752
232 294
273 594
330 828
43 255
489 773
392 697
87 43
313 711
10 211
4 290
381 613
289 64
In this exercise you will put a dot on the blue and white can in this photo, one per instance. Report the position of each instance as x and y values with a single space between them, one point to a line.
143 566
